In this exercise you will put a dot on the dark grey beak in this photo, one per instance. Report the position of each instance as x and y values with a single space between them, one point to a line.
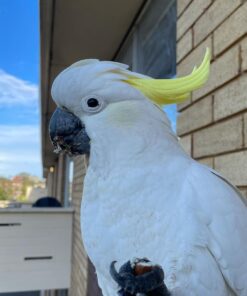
68 134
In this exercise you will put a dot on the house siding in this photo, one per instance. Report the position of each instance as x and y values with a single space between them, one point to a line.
83 278
212 124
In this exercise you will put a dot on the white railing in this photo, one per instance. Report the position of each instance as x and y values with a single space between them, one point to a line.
35 249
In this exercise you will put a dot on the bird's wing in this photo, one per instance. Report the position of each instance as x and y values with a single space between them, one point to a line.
227 224
238 193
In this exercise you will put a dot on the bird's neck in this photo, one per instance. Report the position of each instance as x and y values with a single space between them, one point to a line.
136 149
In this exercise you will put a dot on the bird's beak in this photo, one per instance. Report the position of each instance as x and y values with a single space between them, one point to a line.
67 133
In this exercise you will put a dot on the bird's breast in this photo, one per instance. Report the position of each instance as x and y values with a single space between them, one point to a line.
127 217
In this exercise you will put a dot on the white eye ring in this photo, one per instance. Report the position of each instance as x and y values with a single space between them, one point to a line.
92 103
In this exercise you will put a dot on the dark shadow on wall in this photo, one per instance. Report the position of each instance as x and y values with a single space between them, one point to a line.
92 282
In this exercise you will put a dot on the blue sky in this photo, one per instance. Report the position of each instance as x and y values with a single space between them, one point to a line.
19 77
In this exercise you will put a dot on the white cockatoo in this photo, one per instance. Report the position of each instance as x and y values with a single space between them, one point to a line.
143 196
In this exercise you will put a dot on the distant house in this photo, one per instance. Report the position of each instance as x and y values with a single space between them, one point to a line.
152 37
35 192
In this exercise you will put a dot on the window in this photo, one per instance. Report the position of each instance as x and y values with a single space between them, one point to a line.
150 47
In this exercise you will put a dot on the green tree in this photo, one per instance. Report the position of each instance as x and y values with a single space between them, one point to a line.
5 189
3 194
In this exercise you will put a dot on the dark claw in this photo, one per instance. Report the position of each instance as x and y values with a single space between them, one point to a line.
126 268
124 278
118 276
123 293
150 283
115 275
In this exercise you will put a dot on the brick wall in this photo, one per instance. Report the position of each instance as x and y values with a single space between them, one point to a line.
79 268
212 125
83 278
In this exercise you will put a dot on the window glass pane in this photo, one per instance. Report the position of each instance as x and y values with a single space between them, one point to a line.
125 55
157 40
151 49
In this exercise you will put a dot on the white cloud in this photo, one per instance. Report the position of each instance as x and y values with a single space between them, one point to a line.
20 150
15 91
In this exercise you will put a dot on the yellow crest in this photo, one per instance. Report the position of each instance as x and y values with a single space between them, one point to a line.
170 91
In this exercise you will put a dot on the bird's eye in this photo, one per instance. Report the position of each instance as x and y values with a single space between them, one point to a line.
92 103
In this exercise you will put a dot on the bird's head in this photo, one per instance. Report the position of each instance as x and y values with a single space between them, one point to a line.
95 98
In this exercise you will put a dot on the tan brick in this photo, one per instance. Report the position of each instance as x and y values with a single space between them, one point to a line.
215 14
244 55
184 46
222 137
222 69
231 30
209 161
185 142
231 99
190 15
243 192
181 5
245 129
195 116
184 104
234 167
194 58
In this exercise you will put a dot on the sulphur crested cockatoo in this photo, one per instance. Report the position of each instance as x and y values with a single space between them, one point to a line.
143 195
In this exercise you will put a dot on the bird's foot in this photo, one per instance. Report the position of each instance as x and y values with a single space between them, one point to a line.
139 277
123 293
